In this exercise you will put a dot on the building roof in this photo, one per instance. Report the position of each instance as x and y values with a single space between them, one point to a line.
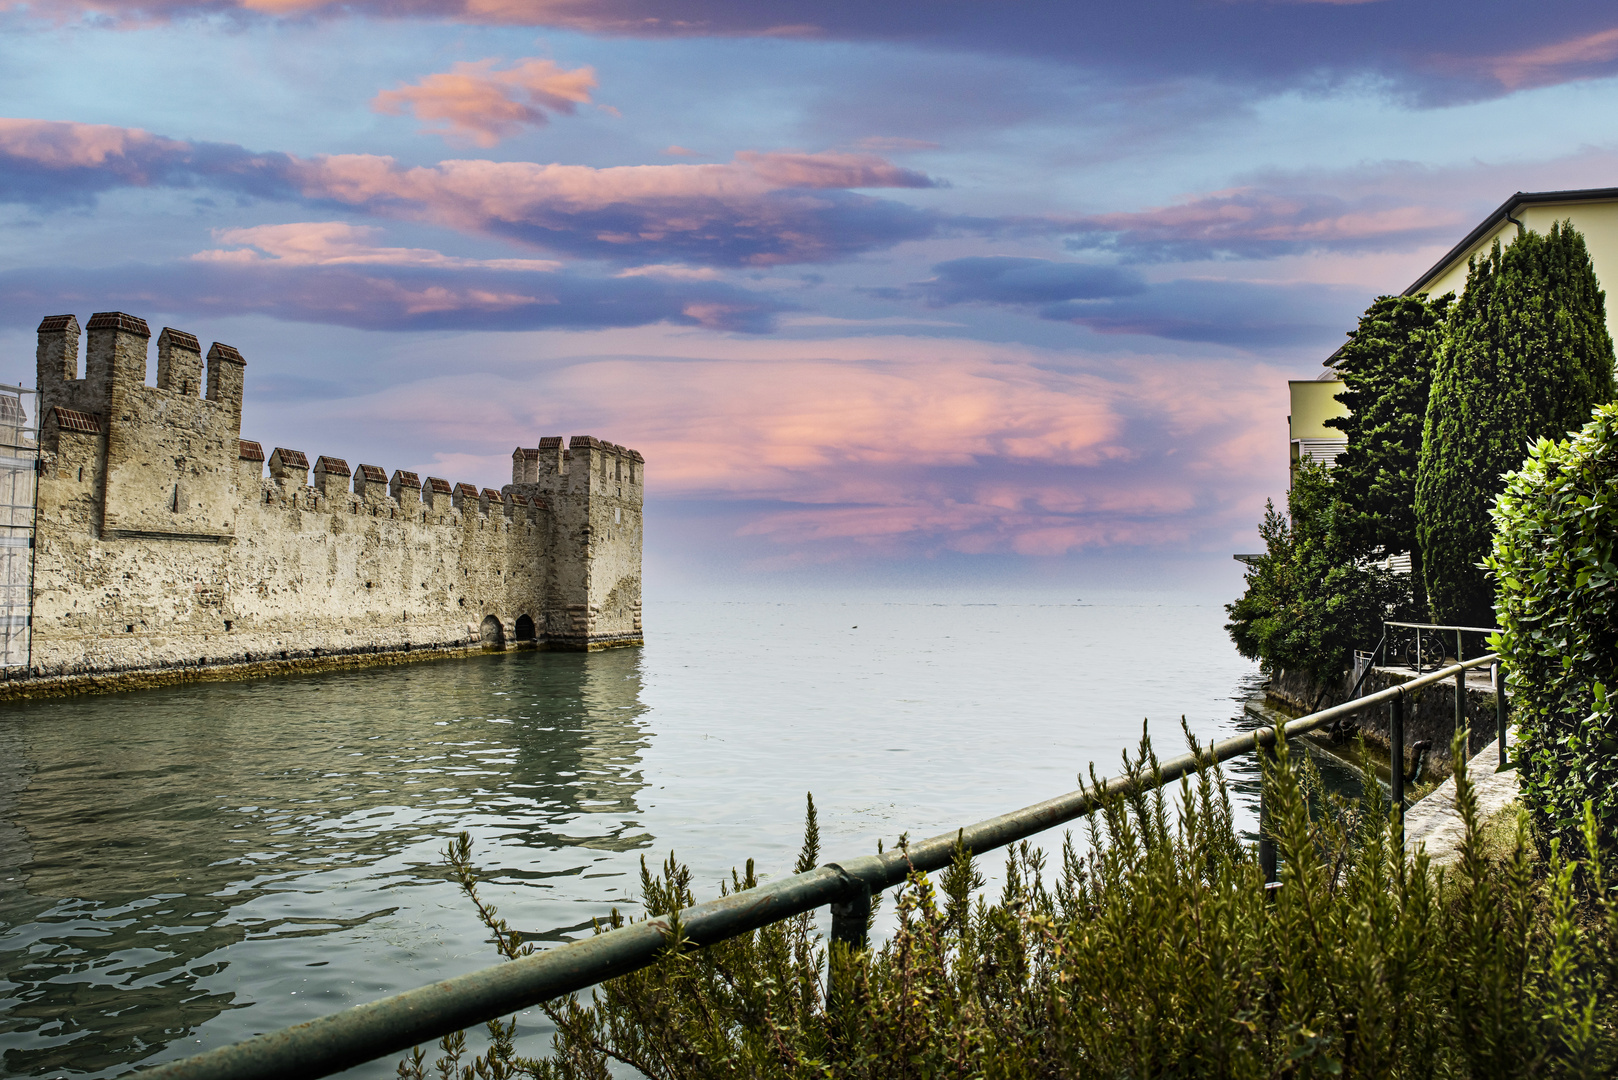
180 339
332 466
406 479
227 353
118 320
1504 213
438 485
248 450
291 459
373 474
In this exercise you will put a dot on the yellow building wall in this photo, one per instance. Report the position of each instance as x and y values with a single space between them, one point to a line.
1598 221
1313 403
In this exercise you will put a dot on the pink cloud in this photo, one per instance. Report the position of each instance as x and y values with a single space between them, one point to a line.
761 208
674 271
474 193
894 446
57 145
1584 55
61 144
473 102
1263 221
337 243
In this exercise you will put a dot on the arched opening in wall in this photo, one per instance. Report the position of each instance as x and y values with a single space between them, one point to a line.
493 632
525 628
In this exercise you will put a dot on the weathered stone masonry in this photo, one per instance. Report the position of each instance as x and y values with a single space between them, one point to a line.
162 545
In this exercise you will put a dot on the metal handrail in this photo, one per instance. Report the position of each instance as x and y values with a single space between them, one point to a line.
394 1024
1439 626
1458 631
1370 664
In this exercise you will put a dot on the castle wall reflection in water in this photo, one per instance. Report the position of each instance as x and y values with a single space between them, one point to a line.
169 857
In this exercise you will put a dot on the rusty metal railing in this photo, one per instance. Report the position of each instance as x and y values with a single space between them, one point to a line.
1498 680
394 1024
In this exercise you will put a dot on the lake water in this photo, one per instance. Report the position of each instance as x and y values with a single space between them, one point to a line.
183 868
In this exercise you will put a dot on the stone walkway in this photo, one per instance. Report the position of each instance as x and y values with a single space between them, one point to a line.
1434 823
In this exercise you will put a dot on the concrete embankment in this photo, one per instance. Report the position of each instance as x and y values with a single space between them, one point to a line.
1429 711
1433 823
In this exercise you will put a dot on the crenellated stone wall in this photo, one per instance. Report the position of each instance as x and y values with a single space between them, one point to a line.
161 545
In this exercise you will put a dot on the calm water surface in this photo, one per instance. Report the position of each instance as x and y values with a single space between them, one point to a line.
183 868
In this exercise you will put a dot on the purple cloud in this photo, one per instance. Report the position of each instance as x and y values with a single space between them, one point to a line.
760 209
1240 314
1002 279
1259 223
401 297
1439 51
1114 300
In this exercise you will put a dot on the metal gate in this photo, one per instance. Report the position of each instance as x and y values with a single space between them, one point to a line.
19 473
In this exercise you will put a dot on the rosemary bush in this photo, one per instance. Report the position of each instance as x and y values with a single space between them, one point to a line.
1152 951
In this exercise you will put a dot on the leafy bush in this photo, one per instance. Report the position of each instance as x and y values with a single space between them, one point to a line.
1527 356
1309 602
1155 951
1557 606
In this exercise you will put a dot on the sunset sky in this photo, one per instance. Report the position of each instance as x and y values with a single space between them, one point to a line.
973 291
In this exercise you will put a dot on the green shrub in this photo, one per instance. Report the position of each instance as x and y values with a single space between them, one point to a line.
1153 951
1387 370
1527 356
1557 606
1309 602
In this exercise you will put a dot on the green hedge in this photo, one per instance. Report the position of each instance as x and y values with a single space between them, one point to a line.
1557 605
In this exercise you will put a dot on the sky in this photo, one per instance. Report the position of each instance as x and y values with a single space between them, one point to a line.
960 293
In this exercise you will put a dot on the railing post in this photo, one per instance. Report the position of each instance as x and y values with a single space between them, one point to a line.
1396 747
1460 697
850 917
1501 712
1266 842
1460 694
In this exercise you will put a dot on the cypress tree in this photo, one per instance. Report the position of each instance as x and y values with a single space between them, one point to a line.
1387 370
1526 355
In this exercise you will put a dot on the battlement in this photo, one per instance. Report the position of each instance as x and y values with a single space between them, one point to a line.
314 556
115 365
607 462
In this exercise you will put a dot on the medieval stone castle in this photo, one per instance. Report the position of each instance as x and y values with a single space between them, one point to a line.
160 544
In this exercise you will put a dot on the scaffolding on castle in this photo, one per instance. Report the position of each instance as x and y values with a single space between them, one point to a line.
19 474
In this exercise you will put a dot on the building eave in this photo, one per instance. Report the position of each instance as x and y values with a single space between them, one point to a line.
1492 222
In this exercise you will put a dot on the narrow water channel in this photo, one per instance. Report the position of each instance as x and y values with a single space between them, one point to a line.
182 868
